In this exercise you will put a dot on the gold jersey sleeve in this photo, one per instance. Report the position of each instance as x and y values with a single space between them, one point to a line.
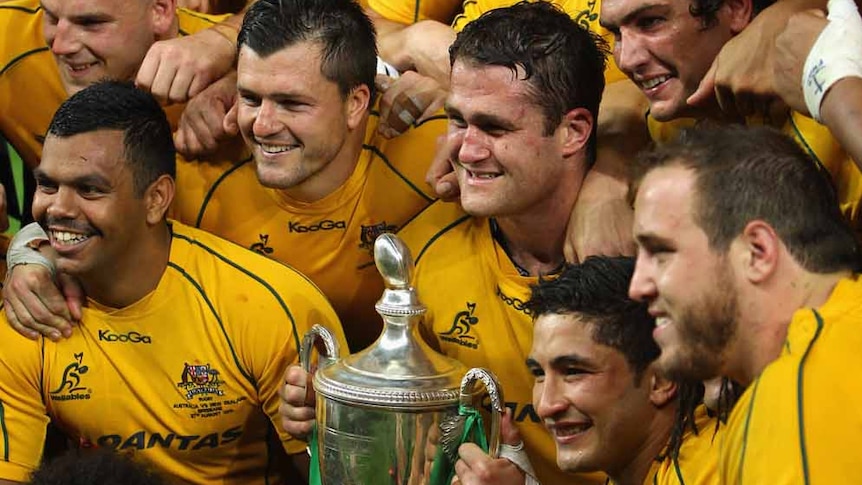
800 421
187 378
475 299
585 12
30 86
329 240
815 139
411 11
697 463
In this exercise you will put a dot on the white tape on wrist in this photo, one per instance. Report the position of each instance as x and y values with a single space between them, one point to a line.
386 69
22 248
836 54
519 458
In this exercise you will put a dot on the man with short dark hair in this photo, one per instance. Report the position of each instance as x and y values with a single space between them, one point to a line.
182 345
597 388
322 184
752 273
525 89
648 35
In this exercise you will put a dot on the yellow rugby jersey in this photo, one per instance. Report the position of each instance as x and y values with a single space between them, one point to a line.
329 240
698 456
30 86
800 421
187 378
817 141
585 12
475 298
411 11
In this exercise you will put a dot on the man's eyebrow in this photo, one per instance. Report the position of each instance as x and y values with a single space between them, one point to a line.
629 16
650 239
570 360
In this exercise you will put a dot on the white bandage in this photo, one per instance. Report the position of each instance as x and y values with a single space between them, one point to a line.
386 69
519 458
836 54
23 248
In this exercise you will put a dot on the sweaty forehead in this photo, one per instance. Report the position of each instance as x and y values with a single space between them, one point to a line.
473 85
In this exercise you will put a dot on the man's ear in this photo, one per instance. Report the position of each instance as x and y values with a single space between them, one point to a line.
662 390
739 14
759 246
164 18
158 198
574 130
357 105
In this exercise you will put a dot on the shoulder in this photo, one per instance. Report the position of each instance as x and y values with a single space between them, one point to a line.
20 32
439 220
214 257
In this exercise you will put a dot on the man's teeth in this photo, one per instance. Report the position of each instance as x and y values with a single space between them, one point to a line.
651 83
571 430
80 67
68 237
484 175
276 148
662 321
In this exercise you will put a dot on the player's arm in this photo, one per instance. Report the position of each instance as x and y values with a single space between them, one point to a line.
601 219
175 70
741 77
842 113
36 301
818 70
23 415
415 36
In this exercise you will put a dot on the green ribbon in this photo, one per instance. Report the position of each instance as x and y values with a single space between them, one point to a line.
473 432
314 467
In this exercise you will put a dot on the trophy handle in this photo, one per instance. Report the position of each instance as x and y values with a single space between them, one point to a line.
468 384
317 333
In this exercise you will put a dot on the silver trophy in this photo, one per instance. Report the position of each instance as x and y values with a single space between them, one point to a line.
390 413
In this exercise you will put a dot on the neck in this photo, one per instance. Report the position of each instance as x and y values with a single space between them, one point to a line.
335 173
767 316
635 471
136 275
535 238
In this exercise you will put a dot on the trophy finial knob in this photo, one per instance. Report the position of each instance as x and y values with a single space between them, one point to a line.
393 261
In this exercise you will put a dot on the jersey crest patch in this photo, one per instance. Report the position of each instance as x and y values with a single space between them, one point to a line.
462 326
70 388
200 379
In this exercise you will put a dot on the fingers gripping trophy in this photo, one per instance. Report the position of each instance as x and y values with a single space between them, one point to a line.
396 412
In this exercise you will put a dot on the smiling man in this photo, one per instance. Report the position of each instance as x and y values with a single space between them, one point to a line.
650 35
183 341
752 273
597 387
321 184
525 90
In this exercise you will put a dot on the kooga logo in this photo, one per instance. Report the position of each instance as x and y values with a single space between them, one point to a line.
131 337
326 225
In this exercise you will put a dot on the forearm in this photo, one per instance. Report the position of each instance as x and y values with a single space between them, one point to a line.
841 111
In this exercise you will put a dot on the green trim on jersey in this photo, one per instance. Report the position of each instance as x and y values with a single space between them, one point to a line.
203 294
255 278
440 233
212 190
800 399
4 432
745 432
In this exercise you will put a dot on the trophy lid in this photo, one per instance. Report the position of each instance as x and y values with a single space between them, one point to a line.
399 371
